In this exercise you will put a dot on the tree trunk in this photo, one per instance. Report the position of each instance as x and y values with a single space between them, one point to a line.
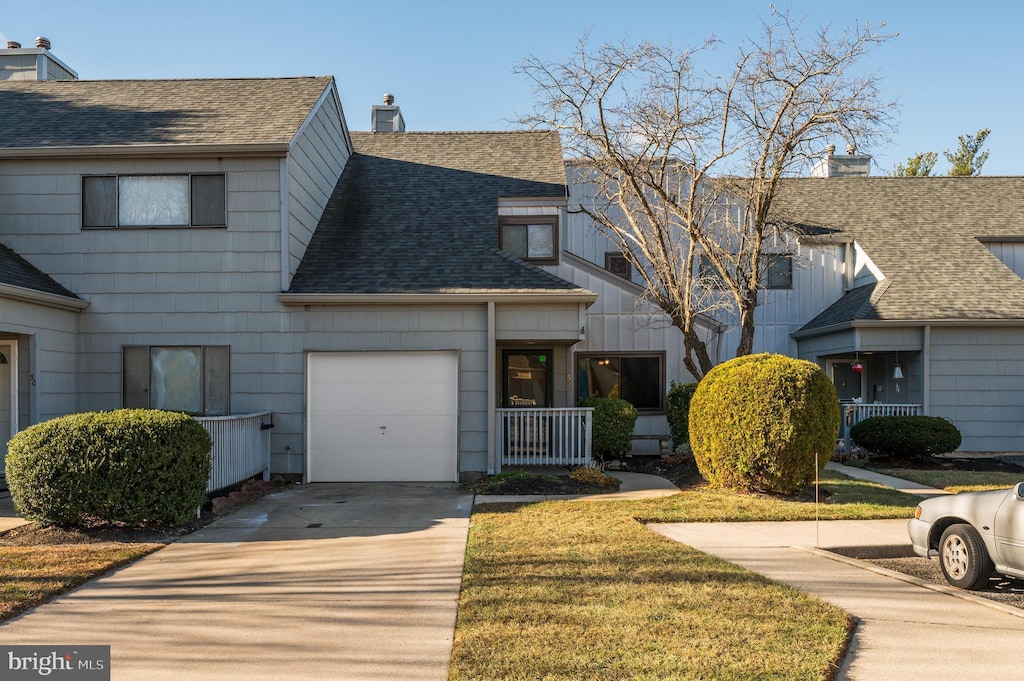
746 344
696 349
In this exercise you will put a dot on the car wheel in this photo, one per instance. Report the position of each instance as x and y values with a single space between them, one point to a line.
964 560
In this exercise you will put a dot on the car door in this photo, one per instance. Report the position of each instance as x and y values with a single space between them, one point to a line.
1008 529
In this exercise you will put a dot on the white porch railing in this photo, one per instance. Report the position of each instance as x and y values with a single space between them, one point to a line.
241 448
855 413
545 437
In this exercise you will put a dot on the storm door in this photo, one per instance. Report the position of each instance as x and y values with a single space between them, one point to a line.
526 378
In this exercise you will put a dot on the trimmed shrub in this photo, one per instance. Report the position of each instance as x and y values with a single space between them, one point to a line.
906 436
614 420
763 423
677 409
132 466
593 476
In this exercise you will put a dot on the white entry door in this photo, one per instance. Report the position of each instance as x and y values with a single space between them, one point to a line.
382 416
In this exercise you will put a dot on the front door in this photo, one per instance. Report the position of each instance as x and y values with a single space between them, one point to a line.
849 383
526 378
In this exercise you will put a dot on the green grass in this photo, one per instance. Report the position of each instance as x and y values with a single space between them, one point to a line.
957 481
582 590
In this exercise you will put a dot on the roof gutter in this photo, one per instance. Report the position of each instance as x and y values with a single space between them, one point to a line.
890 323
435 298
42 298
149 150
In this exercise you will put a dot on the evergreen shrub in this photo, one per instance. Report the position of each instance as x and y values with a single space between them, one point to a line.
136 467
763 423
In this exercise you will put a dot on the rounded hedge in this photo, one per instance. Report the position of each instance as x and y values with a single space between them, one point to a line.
613 424
906 436
677 410
132 466
763 423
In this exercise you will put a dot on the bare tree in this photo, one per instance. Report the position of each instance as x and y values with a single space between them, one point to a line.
687 166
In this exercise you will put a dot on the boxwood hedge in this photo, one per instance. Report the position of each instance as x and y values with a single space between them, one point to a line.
677 409
614 420
132 466
763 423
906 436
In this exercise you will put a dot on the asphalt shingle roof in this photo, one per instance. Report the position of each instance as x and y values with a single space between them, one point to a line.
83 113
16 271
418 213
923 234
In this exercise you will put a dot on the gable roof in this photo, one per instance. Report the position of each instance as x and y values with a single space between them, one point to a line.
75 114
417 212
926 235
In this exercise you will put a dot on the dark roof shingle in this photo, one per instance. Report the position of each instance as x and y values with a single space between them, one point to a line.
16 271
85 113
418 213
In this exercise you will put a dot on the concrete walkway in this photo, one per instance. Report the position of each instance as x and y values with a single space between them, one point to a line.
327 581
907 628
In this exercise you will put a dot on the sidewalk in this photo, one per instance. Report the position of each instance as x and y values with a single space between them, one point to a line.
907 629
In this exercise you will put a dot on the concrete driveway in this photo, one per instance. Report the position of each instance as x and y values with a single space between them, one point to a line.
324 581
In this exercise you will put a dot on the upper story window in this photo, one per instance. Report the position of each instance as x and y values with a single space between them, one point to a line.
111 201
617 264
779 271
533 238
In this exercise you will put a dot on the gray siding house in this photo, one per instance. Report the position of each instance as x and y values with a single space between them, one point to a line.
228 246
922 275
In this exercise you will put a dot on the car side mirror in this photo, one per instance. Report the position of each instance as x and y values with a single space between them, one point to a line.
1018 491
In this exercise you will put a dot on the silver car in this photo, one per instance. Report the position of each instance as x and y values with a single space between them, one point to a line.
973 534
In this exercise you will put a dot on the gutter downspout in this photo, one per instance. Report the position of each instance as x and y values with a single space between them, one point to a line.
493 463
926 353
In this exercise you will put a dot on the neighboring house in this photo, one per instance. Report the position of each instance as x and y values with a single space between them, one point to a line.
919 274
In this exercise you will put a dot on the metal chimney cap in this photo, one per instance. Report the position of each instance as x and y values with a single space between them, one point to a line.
389 99
851 149
830 149
43 43
13 45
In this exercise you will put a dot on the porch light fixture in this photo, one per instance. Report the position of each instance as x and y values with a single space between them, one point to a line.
897 368
856 367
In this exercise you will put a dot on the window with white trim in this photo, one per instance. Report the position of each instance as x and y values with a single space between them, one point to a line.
113 201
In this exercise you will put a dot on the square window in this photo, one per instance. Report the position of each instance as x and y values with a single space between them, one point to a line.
534 238
638 379
778 271
617 264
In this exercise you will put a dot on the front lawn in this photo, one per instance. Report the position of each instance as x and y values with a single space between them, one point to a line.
957 481
582 590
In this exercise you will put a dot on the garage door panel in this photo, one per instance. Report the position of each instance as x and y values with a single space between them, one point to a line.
382 416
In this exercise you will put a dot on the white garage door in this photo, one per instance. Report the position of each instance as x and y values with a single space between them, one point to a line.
382 416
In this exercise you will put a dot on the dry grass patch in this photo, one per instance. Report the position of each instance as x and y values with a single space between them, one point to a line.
957 481
568 590
31 575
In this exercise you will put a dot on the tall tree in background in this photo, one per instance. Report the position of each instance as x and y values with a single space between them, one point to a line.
918 165
964 162
687 166
968 158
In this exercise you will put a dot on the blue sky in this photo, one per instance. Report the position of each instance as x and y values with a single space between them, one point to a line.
953 68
